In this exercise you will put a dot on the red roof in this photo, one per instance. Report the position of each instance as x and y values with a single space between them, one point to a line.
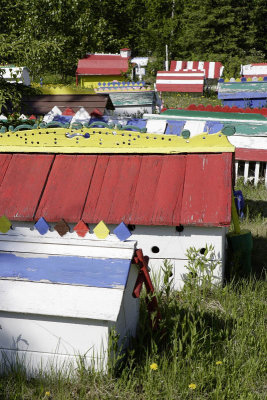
102 64
192 189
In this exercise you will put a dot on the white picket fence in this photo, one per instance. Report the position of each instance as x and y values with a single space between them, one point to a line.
251 171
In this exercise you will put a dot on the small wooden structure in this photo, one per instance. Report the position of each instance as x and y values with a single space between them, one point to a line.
61 297
95 68
254 70
14 74
42 104
188 76
243 94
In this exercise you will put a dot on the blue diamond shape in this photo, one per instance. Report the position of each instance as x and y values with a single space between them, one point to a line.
122 232
42 226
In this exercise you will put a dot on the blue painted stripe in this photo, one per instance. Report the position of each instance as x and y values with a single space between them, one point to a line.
213 127
174 127
65 269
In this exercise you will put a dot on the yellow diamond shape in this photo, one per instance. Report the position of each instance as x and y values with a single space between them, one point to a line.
5 224
101 230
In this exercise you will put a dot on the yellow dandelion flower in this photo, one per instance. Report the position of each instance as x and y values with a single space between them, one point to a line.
218 362
47 393
192 386
154 366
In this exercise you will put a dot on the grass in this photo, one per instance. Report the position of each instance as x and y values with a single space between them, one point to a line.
214 342
183 100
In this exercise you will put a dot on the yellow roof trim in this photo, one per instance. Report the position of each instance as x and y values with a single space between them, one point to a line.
103 140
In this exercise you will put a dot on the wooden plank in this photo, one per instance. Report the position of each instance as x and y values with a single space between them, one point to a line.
246 172
105 272
67 187
122 197
64 300
89 214
104 140
236 171
4 162
53 335
257 172
167 199
23 184
207 193
251 154
146 189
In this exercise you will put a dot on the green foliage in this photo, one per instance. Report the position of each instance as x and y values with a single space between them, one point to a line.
50 36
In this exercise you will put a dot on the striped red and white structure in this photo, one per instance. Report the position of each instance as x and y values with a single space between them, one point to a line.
250 70
182 81
212 69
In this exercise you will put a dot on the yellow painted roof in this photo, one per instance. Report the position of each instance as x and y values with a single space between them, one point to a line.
103 140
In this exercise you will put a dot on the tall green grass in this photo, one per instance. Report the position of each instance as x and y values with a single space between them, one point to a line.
209 345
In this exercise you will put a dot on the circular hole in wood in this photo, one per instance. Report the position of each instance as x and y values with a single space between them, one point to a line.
179 228
131 227
155 249
202 250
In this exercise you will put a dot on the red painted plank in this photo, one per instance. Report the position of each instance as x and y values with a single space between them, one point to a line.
22 185
123 195
250 154
146 189
67 187
4 162
207 190
116 187
89 213
167 200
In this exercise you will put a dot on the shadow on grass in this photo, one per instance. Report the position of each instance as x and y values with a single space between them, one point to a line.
256 207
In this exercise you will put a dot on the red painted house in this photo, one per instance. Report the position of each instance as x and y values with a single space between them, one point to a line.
95 68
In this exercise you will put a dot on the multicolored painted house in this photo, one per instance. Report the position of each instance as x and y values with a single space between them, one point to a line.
74 206
95 68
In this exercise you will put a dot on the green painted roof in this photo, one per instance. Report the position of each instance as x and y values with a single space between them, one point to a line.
214 115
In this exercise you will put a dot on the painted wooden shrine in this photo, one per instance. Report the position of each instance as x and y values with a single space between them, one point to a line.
243 94
74 206
187 76
249 135
94 68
